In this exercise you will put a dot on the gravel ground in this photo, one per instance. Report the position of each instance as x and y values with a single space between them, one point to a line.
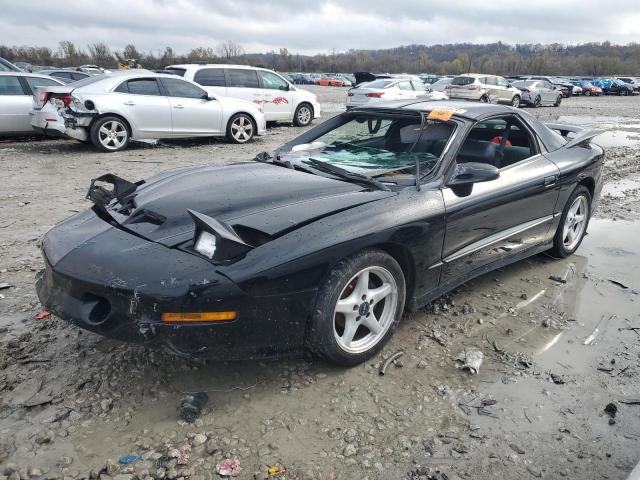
72 403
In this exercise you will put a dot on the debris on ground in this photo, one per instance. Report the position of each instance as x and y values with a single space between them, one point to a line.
5 285
191 406
482 409
129 459
276 471
557 379
611 409
228 467
383 367
42 315
470 359
555 278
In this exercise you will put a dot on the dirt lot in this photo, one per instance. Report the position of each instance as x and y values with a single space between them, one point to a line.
72 403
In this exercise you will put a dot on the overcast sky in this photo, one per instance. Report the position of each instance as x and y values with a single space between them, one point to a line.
313 26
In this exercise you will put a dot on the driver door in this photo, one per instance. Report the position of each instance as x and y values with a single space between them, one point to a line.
276 96
501 217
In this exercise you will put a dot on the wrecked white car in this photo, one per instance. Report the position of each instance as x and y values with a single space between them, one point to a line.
112 109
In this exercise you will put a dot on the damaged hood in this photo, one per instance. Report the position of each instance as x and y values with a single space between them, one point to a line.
261 201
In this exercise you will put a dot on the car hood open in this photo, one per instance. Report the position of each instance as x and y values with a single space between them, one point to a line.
261 201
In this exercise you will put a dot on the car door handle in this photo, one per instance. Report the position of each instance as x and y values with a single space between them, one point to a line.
550 181
178 106
130 103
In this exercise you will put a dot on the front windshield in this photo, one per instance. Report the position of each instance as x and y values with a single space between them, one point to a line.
377 145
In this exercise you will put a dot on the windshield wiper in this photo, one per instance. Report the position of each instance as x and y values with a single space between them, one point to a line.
347 175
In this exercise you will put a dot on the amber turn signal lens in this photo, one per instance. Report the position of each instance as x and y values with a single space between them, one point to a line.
198 317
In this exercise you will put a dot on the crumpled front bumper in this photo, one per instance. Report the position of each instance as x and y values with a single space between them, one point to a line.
116 284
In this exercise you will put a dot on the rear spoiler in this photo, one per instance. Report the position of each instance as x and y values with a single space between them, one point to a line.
583 136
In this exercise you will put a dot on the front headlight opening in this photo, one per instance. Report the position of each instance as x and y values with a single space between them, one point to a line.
206 244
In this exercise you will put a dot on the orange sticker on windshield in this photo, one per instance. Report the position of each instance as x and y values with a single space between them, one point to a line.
441 114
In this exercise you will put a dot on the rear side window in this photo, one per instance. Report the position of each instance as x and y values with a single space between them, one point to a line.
271 81
122 88
180 88
10 86
176 71
61 74
405 86
462 81
79 76
143 86
490 80
242 78
41 82
210 77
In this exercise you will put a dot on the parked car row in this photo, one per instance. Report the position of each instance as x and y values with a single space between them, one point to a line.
111 109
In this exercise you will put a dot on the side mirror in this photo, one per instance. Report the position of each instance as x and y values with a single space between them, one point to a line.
284 87
207 97
473 172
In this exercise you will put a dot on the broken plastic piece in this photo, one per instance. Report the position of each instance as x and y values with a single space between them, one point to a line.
129 459
470 359
42 315
387 362
228 468
275 471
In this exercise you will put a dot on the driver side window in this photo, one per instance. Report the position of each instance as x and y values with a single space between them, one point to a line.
498 141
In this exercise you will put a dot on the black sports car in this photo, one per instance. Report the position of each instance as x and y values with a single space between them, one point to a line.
323 243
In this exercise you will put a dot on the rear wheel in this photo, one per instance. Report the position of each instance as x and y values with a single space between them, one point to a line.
573 223
558 101
358 308
484 99
515 101
110 134
303 115
240 128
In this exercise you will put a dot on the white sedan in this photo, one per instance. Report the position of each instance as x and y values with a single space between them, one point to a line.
391 89
112 109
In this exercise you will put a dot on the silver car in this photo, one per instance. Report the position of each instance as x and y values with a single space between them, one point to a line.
390 89
484 88
111 109
16 101
538 93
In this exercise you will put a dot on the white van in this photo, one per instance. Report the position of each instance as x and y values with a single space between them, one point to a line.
279 99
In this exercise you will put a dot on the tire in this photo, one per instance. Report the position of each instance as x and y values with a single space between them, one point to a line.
587 93
110 134
345 283
484 99
537 102
241 128
563 245
558 101
303 115
515 101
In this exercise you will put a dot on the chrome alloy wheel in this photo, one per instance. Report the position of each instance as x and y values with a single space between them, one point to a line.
304 115
113 135
575 223
365 310
242 129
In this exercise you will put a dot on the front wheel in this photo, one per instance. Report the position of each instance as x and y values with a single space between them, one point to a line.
537 102
558 101
573 223
240 128
110 134
303 115
358 308
515 101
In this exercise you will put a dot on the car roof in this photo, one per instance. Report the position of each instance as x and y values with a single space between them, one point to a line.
25 74
216 65
462 108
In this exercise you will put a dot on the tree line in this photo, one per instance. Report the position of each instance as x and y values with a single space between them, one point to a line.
594 59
